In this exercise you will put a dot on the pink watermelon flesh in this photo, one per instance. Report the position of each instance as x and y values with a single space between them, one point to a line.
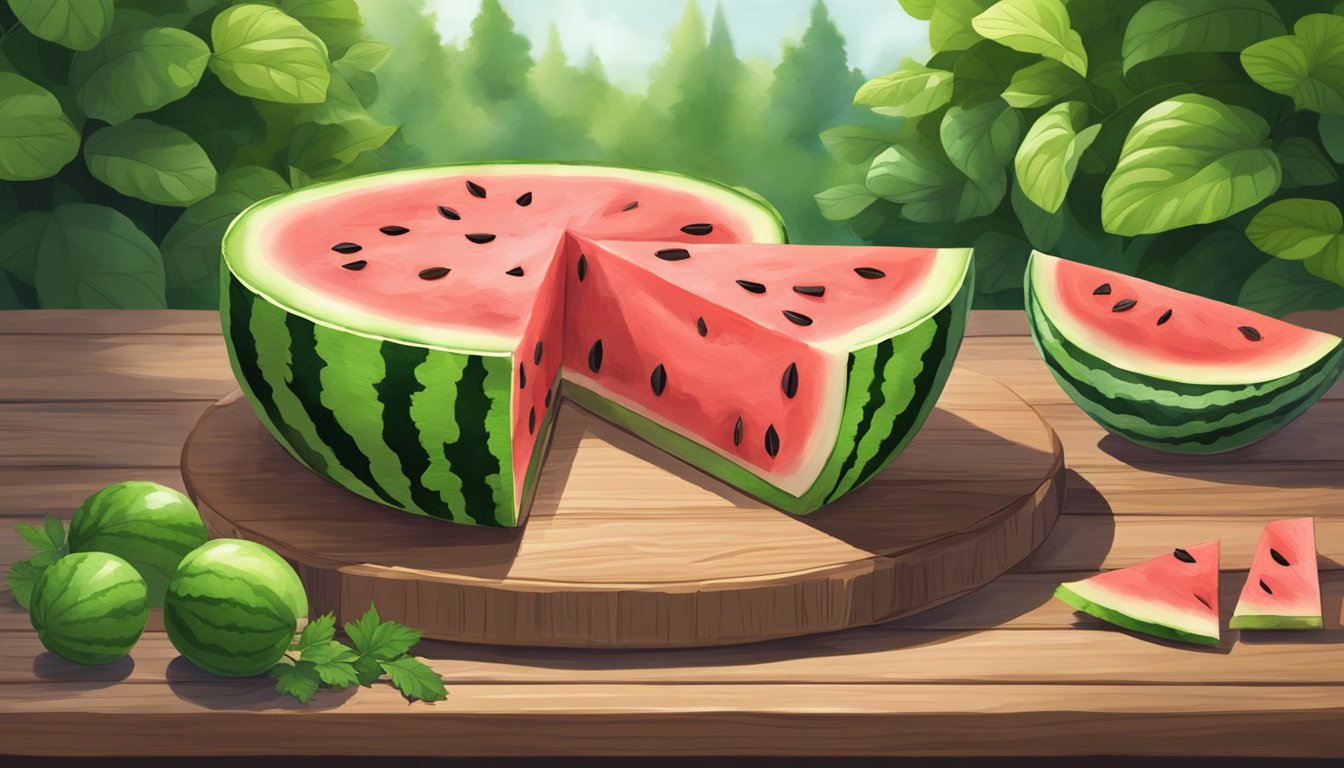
1174 596
1283 589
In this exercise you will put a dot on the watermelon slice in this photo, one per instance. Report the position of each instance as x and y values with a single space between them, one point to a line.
1170 370
1283 590
406 334
1174 596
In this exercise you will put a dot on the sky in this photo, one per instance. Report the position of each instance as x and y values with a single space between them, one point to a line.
631 35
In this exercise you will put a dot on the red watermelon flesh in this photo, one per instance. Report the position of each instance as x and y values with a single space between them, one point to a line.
1283 589
1174 596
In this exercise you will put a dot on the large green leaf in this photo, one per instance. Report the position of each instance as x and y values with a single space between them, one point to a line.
138 71
855 144
980 141
92 256
320 150
191 249
152 162
1167 27
1042 228
1048 157
984 71
844 202
1299 228
1189 160
1304 164
950 24
1000 263
1042 83
931 188
367 55
912 90
919 9
336 22
20 238
262 53
36 138
1332 136
77 24
253 181
1307 65
1034 26
1280 287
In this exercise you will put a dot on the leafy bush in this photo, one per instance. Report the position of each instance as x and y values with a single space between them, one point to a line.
132 132
1185 141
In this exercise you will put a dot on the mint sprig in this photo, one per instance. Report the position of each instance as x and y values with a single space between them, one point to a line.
50 545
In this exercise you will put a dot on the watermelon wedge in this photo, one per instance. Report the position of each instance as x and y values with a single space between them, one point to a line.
406 334
1283 589
1170 370
1174 596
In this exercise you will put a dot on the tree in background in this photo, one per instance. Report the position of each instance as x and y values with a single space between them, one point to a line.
813 82
497 57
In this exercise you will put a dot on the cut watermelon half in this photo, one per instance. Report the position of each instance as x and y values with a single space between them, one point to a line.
1174 596
1283 588
406 334
1170 370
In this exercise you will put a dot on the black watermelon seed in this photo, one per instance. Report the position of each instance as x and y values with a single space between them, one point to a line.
595 357
515 272
1164 318
522 375
355 266
1183 556
1249 332
449 213
434 273
536 354
548 398
700 327
658 380
698 229
752 287
810 290
347 248
1102 290
524 199
1278 558
1202 600
632 206
797 318
1265 587
1123 305
772 441
583 267
480 237
869 273
673 254
393 230
475 189
532 420
737 432
789 383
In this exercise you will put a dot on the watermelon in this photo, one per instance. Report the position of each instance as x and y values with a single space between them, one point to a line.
1170 370
89 607
406 335
1282 590
233 606
1174 596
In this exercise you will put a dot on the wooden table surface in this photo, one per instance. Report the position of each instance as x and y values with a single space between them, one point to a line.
90 398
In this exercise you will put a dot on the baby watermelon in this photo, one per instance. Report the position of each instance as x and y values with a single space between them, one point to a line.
89 607
232 607
150 526
1283 589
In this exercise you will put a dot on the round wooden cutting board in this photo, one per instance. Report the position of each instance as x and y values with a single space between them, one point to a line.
627 547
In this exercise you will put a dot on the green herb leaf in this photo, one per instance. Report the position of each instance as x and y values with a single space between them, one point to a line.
333 662
980 141
77 24
137 71
415 680
1304 164
319 150
844 202
55 531
950 24
1169 27
912 90
93 256
35 537
854 144
930 187
361 630
367 670
318 632
152 162
22 577
1299 228
263 53
298 680
1034 26
390 640
20 239
36 138
1048 158
336 22
1042 83
368 56
1307 65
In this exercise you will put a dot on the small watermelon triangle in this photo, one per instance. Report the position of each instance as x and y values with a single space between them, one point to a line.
1174 596
1283 588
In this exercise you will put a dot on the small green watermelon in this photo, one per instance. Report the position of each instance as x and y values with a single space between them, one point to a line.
89 607
150 526
232 607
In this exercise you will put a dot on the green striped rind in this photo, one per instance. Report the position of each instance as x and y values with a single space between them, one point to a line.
148 525
418 429
1274 622
89 607
1121 619
1172 415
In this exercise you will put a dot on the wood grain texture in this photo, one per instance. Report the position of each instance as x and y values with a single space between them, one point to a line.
627 547
128 367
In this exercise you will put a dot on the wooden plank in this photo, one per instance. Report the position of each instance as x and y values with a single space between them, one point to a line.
114 367
131 435
35 492
1308 489
984 323
176 322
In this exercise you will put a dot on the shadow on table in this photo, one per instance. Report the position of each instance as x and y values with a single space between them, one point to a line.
54 669
196 686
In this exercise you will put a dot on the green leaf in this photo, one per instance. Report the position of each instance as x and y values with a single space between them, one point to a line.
342 103
22 577
1048 157
950 24
1034 26
1044 82
255 182
912 90
389 640
367 55
262 53
1331 128
1304 164
318 632
980 141
36 538
77 24
1000 262
336 22
367 670
333 662
94 257
1189 160
1042 228
931 188
415 680
1280 287
1168 27
137 71
855 144
1298 228
320 150
191 253
1307 65
20 238
55 531
298 680
919 9
152 162
36 138
43 559
843 202
984 71
361 630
